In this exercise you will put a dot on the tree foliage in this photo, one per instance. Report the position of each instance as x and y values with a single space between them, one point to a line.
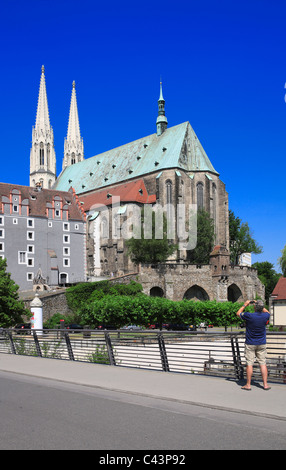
11 308
150 250
205 239
267 275
240 239
282 261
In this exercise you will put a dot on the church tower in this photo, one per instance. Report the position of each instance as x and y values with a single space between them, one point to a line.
42 155
161 122
73 147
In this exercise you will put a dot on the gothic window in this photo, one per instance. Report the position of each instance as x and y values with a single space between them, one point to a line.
104 227
200 196
48 155
214 202
73 158
169 191
42 161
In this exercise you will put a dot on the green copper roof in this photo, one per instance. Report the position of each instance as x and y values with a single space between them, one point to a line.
177 147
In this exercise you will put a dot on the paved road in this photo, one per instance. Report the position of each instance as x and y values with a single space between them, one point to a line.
51 404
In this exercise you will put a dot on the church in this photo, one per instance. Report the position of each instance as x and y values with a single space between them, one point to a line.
167 169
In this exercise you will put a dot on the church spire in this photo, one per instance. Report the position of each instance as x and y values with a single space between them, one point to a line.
42 155
73 146
42 117
161 122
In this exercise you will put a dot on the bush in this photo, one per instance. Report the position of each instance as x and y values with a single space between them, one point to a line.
81 294
118 310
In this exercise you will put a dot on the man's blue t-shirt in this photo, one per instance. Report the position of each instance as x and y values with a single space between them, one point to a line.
255 327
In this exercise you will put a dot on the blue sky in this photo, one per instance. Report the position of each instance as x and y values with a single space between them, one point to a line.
223 69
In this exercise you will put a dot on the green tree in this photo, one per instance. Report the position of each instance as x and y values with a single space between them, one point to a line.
150 250
282 261
205 239
267 275
11 308
240 239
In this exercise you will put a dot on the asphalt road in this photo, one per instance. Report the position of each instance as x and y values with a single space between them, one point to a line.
43 414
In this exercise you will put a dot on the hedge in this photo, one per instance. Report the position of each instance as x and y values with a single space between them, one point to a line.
123 304
144 310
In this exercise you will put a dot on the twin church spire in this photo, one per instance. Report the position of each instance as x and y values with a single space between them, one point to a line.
42 156
73 149
43 171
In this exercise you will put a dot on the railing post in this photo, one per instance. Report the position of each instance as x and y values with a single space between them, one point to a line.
163 353
38 348
239 364
236 358
109 349
13 349
69 346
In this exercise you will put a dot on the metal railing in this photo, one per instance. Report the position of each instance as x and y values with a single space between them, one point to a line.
219 354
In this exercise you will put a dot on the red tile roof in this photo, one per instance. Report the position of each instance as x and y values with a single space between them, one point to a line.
279 292
134 191
39 200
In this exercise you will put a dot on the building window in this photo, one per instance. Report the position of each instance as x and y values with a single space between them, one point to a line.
104 227
42 154
169 191
200 196
30 276
30 262
66 239
30 235
76 227
66 226
66 251
50 224
66 262
1 220
15 208
15 221
30 223
22 257
1 246
30 249
2 233
57 213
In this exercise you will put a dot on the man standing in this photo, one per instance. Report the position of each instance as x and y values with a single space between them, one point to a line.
255 340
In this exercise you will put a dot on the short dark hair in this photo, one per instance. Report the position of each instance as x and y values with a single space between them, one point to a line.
259 305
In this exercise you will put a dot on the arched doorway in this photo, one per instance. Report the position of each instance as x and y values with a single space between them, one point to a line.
234 293
196 293
156 291
63 279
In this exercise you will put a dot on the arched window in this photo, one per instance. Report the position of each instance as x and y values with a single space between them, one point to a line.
170 215
213 208
42 160
104 227
73 158
200 196
48 155
169 191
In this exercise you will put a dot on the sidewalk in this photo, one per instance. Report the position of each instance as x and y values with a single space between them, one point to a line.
197 390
